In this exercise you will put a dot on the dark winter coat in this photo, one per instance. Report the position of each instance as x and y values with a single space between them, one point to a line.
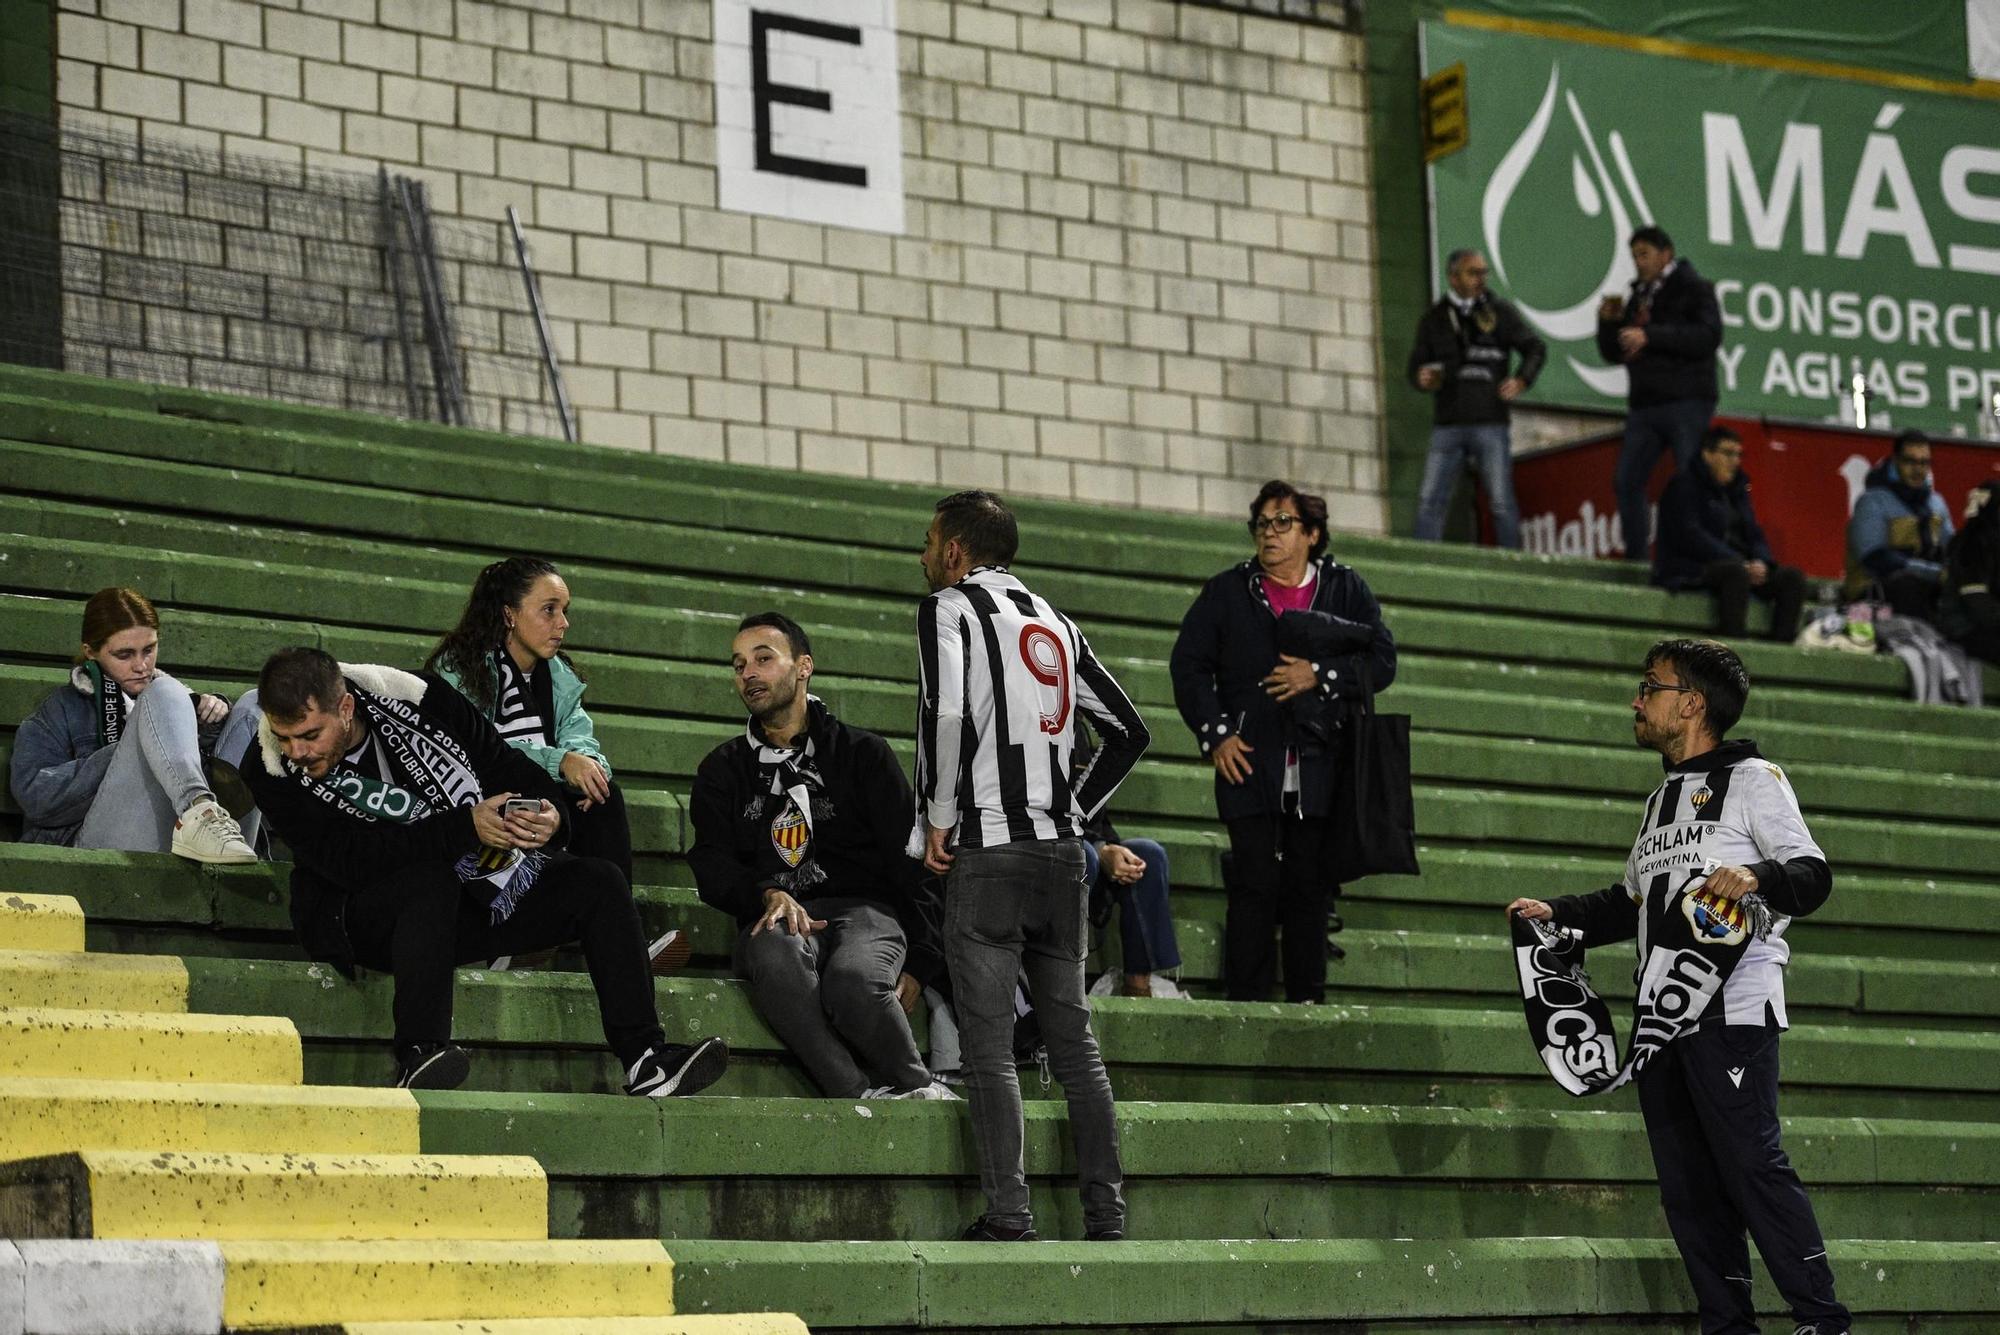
856 846
335 854
1702 521
1473 360
1229 642
1683 325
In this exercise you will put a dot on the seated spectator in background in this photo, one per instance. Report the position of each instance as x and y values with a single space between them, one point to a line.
396 798
115 758
1463 349
1897 536
1131 873
1274 654
506 656
1969 608
799 830
1709 539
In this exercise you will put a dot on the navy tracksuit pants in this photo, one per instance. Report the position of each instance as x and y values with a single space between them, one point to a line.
1710 1101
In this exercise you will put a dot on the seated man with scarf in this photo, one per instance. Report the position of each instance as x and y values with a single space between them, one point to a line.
392 791
799 829
1899 532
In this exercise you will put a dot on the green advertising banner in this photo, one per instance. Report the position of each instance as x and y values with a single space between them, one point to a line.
1849 228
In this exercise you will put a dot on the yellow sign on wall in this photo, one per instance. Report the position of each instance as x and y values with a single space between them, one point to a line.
1446 128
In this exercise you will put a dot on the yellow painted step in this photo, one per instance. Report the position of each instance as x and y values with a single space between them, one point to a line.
747 1323
40 922
93 982
308 1283
53 1116
93 1044
124 1194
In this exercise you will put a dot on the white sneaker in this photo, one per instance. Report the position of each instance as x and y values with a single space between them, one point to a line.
1164 986
935 1090
1106 984
207 833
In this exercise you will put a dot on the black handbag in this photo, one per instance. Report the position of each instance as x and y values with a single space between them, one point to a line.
1373 817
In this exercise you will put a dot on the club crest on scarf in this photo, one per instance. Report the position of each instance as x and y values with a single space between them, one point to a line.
1694 942
790 835
1715 921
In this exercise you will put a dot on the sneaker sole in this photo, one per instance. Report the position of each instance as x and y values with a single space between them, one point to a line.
697 1073
444 1070
214 859
671 953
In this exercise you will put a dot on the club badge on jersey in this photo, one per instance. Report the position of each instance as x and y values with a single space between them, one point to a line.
1694 941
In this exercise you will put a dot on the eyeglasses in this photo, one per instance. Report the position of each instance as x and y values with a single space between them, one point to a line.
1274 523
1647 686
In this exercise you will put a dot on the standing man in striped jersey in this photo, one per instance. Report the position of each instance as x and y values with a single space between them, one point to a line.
1001 673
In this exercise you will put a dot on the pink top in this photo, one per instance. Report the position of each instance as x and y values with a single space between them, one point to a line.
1285 600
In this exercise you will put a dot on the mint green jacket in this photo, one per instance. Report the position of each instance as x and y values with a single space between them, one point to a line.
574 730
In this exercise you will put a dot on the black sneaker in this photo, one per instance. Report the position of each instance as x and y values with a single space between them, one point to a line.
676 1068
1105 1235
983 1229
433 1066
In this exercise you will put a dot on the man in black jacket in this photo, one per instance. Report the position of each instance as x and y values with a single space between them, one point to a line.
1665 335
393 794
1462 352
1269 656
1710 539
800 825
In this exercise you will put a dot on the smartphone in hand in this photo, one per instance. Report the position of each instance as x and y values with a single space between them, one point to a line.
522 806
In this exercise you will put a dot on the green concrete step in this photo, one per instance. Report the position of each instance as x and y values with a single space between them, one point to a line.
390 494
1198 532
1893 923
543 1027
1083 546
1454 695
828 1169
1259 1284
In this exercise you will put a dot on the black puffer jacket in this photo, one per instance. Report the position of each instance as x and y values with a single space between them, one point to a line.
1229 642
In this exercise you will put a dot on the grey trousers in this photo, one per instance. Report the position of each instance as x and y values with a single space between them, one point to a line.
156 769
1009 909
831 997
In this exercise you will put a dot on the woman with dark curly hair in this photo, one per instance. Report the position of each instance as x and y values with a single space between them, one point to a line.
506 656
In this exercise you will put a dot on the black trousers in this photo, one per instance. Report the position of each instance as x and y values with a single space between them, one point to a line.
1710 1100
1784 587
420 924
601 832
1278 886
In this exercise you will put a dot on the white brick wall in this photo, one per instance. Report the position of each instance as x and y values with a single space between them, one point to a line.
1137 264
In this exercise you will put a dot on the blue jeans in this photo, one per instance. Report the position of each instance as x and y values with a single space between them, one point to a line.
1649 433
1010 909
1485 446
1145 926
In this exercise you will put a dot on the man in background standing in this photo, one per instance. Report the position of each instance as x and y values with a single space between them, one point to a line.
1461 357
1665 334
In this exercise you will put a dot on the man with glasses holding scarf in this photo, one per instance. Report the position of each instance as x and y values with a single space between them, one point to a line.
1272 654
1464 347
1710 1096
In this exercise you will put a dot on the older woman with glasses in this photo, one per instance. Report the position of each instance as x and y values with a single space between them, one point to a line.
1273 655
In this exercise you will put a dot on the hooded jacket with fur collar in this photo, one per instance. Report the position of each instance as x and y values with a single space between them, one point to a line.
350 852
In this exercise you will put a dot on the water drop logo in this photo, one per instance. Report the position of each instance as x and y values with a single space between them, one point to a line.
1594 192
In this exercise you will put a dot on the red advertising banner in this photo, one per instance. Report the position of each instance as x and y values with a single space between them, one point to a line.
1805 481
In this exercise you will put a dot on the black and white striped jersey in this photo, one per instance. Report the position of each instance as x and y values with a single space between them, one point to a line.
1737 809
1001 676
